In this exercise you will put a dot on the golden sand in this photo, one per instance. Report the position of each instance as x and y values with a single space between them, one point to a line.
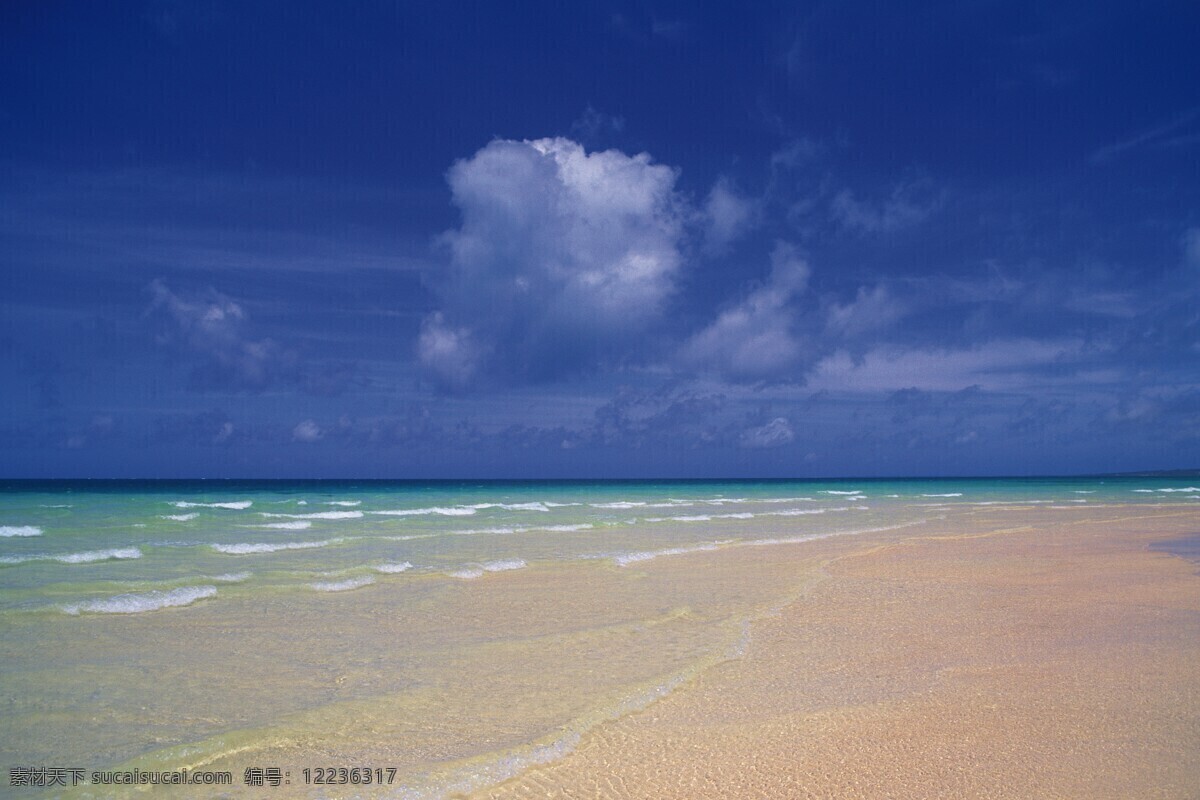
1025 655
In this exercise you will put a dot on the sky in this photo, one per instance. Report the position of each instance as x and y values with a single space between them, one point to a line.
598 239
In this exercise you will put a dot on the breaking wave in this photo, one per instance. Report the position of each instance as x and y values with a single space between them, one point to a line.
20 530
342 586
244 548
317 515
446 511
235 506
504 565
138 603
86 557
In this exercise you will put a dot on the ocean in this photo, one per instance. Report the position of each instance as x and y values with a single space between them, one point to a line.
448 634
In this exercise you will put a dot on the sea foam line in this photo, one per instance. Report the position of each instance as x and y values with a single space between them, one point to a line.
470 777
20 530
294 525
625 559
138 603
342 586
446 511
234 506
86 557
787 512
534 506
317 515
247 548
583 526
504 565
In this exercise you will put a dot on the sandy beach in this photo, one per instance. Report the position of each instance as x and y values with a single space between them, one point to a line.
1038 655
926 641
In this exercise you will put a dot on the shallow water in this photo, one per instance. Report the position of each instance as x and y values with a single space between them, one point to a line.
455 632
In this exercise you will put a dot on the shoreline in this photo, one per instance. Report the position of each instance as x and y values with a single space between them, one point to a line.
1047 660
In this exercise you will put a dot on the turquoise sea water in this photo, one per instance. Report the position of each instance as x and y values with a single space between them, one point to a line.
140 617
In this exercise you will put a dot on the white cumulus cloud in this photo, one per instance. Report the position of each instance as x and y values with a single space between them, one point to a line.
563 257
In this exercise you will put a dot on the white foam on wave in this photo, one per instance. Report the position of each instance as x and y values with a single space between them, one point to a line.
625 559
232 577
1085 491
445 511
247 548
784 540
503 565
814 536
835 491
1145 491
346 503
785 500
1187 489
342 586
57 505
20 530
317 515
504 530
138 603
393 568
90 556
804 512
622 505
787 512
234 506
535 506
984 503
180 517
294 525
948 494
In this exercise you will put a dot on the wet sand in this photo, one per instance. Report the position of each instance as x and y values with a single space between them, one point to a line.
1021 653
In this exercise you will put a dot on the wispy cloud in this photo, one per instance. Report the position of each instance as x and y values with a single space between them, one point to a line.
909 203
727 216
1175 133
757 339
593 125
213 334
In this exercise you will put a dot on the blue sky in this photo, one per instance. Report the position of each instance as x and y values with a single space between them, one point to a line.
590 239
